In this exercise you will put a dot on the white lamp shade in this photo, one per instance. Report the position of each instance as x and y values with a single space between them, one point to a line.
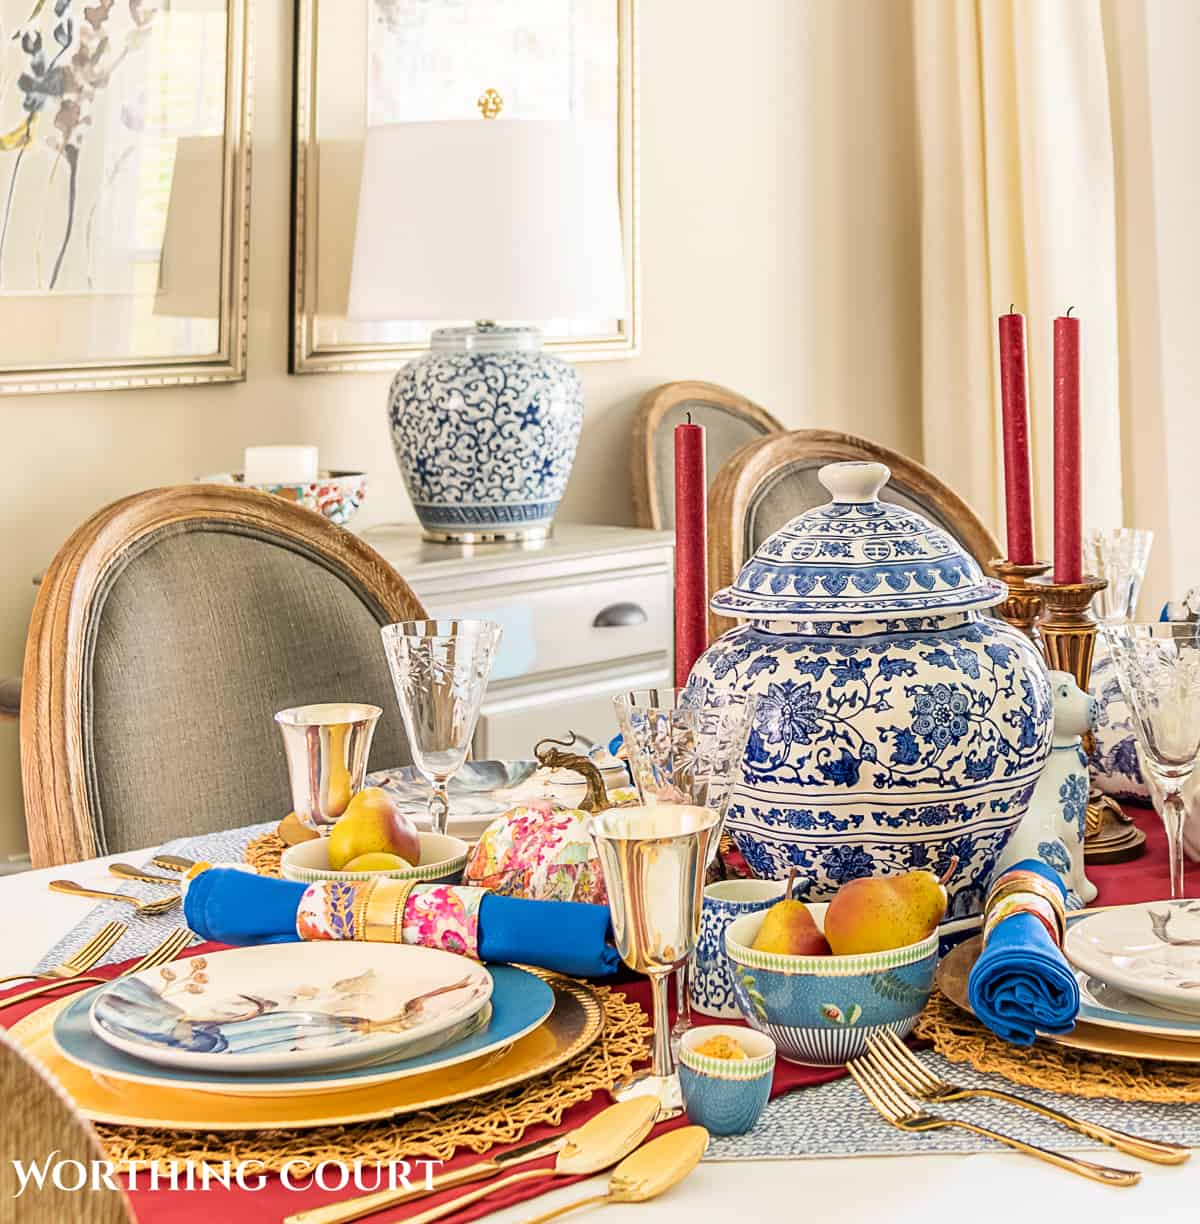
501 219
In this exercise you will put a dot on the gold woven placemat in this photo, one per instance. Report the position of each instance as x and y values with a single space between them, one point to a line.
264 853
478 1124
958 1036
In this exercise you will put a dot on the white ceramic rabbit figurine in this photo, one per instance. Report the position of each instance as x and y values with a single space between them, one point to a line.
1052 828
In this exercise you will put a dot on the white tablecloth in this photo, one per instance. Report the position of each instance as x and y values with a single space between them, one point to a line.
887 1190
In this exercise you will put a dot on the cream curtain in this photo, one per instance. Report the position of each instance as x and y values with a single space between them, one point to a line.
1018 206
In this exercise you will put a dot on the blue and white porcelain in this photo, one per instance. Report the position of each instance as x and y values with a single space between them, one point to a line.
897 727
820 1010
726 1096
1052 829
485 428
710 982
1116 763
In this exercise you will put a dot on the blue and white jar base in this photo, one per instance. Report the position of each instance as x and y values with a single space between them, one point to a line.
485 428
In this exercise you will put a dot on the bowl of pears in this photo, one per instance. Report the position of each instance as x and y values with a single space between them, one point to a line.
820 979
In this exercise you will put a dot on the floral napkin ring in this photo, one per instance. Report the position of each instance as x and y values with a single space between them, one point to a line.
444 916
1025 892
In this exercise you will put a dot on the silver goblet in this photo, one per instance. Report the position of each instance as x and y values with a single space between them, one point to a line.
440 671
684 747
653 859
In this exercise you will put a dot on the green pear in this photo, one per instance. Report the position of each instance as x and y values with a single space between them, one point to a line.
788 928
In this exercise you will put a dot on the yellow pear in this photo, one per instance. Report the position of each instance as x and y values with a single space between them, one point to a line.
377 860
875 914
788 928
372 823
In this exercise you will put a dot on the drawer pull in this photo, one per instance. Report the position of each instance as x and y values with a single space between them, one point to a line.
620 616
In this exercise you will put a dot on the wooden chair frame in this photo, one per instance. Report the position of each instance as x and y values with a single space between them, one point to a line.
747 470
58 806
652 410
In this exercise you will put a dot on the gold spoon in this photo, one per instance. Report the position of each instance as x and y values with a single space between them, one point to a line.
142 907
656 1166
598 1144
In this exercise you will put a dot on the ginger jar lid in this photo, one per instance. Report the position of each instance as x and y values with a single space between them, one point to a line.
858 558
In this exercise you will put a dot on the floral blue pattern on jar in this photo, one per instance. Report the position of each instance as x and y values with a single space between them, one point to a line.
881 742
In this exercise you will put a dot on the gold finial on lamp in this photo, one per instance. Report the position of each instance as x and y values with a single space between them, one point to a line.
490 104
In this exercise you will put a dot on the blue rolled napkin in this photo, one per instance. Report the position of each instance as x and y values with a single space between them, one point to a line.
235 907
1022 984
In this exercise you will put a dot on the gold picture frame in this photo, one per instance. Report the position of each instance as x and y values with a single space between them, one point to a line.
225 360
312 353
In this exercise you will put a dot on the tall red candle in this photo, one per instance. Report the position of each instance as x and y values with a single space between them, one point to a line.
1068 484
1018 471
691 549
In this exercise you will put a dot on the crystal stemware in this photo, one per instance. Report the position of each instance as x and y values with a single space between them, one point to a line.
653 859
1158 667
1120 555
685 748
440 670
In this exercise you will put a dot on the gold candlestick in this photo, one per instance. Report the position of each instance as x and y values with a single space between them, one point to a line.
1067 628
1068 640
1024 603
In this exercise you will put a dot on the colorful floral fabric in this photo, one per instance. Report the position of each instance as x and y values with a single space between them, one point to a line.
541 852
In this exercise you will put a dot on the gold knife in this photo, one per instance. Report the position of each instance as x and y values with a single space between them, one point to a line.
172 862
356 1208
126 871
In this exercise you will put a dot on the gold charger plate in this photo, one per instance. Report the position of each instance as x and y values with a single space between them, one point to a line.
573 1025
951 980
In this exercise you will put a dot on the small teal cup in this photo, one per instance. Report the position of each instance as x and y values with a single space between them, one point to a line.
710 983
726 1096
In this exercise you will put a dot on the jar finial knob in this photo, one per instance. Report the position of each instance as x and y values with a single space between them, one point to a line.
854 482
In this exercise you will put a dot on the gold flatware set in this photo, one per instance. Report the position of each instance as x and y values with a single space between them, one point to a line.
897 1084
79 962
146 908
166 951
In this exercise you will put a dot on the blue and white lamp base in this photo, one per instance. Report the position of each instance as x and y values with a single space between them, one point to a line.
485 428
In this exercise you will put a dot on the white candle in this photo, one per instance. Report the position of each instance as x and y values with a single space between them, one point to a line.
280 465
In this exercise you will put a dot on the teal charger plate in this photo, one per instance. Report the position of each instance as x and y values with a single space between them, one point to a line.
520 1003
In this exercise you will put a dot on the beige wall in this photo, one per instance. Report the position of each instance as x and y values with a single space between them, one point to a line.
779 257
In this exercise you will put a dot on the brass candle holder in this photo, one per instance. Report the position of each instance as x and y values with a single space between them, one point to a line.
1068 639
1024 603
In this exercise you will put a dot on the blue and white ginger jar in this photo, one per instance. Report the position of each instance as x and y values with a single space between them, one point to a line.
485 428
897 726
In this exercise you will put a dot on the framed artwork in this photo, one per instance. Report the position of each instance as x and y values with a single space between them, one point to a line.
124 193
360 63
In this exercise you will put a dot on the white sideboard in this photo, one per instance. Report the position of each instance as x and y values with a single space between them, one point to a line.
586 614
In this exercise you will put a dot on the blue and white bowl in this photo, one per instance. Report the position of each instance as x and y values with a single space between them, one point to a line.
897 727
710 983
726 1096
820 1010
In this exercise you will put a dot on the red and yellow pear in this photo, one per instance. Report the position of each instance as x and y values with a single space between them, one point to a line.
877 913
788 928
373 824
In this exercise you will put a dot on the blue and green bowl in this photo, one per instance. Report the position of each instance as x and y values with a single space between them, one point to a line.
726 1096
821 1010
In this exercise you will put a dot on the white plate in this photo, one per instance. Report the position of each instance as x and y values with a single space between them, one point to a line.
293 1005
1151 950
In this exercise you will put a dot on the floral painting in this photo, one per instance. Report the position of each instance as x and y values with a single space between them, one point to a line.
116 216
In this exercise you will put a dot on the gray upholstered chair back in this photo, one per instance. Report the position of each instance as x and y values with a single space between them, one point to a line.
194 635
730 421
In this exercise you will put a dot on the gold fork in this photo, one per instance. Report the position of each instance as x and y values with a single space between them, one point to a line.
894 1058
894 1105
166 951
81 961
143 907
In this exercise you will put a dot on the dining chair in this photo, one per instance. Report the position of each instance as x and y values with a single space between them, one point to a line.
167 632
10 698
769 481
39 1125
730 421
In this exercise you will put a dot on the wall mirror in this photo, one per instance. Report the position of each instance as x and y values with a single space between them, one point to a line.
360 63
124 193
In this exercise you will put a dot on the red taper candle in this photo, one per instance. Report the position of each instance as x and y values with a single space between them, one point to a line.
691 549
1068 484
1018 471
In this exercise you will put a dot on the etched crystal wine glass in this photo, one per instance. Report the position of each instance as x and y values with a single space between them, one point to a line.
685 747
1119 555
1158 667
440 670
